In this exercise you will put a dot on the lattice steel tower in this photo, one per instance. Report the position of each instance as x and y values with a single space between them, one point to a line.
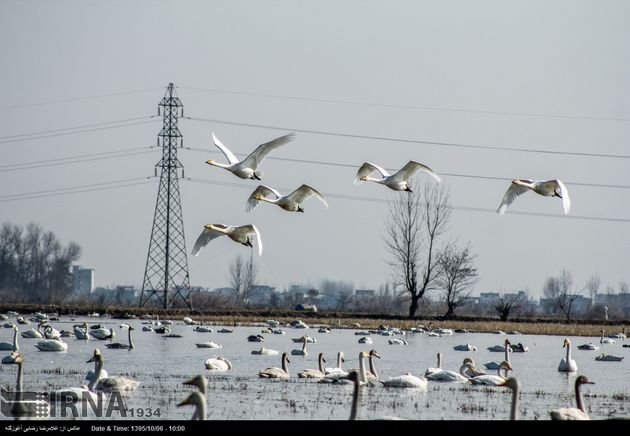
166 273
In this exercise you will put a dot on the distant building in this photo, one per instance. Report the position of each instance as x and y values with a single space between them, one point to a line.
260 295
83 279
489 298
364 293
125 294
224 292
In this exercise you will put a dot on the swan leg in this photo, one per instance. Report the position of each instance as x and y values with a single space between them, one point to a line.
299 209
408 189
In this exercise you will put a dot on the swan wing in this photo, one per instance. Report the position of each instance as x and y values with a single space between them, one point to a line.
568 414
304 192
261 152
228 154
510 195
566 201
368 168
411 168
206 236
262 190
249 230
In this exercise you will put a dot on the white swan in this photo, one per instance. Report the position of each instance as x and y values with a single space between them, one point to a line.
604 340
52 345
82 333
265 352
547 188
51 333
492 380
219 364
203 329
572 413
438 368
365 340
109 384
101 333
609 358
471 370
33 333
291 202
275 372
314 373
406 381
398 181
12 346
308 338
208 344
451 376
246 169
500 348
200 380
590 346
567 364
21 407
197 399
621 335
465 347
338 368
397 342
73 395
303 351
241 234
120 346
506 349
515 385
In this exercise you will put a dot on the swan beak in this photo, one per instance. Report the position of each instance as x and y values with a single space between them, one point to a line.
208 226
364 178
259 197
184 402
210 162
375 354
190 382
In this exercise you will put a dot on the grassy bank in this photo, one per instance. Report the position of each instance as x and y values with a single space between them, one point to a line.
337 319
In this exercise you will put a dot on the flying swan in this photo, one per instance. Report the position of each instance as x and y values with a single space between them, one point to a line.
242 234
398 181
546 188
291 202
246 169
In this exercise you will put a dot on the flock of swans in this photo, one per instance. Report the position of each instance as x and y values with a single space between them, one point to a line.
99 382
399 181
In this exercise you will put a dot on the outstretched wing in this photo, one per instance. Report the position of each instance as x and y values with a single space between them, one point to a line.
368 168
411 168
566 201
510 195
304 192
261 152
228 154
258 240
262 190
206 236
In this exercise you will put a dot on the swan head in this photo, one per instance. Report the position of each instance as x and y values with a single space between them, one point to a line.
96 356
512 383
199 380
583 380
505 364
210 162
193 398
469 360
507 342
566 343
15 358
259 197
373 353
321 356
209 226
285 356
364 354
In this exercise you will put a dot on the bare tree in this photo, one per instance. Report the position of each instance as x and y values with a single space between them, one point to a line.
242 277
458 276
559 290
592 285
509 303
416 222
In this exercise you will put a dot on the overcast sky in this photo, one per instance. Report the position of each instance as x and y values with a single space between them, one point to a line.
538 75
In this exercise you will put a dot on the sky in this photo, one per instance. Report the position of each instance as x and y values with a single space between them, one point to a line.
486 91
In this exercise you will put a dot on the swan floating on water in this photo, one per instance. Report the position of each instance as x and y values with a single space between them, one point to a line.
567 364
609 358
572 413
11 346
120 346
218 364
198 400
275 372
109 384
314 373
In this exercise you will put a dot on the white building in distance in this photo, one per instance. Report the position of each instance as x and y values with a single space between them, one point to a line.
83 280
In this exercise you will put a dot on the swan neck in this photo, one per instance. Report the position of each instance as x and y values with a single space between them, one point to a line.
578 398
16 346
507 353
362 374
568 353
321 363
372 366
439 360
18 384
339 360
285 367
355 400
131 346
515 393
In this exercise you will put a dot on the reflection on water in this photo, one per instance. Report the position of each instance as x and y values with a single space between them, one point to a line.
162 364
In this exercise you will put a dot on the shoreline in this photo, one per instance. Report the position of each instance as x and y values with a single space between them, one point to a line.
556 327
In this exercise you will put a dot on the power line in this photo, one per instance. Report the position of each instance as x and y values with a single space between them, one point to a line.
398 106
356 166
90 97
77 132
77 189
75 159
464 208
411 141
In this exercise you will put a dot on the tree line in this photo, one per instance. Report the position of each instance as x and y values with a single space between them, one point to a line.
35 265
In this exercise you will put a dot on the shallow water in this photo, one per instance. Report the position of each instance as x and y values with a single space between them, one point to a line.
162 364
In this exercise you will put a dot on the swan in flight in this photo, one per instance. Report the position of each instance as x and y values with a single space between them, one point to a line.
246 169
314 373
242 234
276 372
219 364
198 400
291 202
109 384
398 181
567 364
572 413
515 385
11 346
547 188
119 346
604 340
